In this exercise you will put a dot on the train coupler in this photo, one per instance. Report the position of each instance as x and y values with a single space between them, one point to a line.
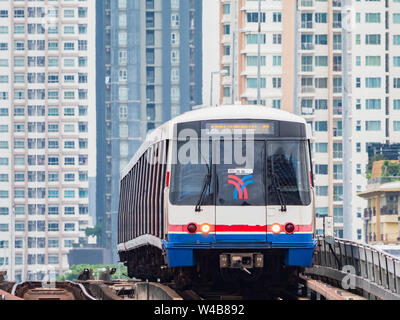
242 261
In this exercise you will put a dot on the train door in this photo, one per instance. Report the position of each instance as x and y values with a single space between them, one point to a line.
240 211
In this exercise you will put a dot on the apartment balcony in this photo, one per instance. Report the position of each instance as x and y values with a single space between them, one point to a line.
337 176
306 4
337 24
367 213
390 238
226 38
227 80
337 132
226 59
337 111
307 69
307 89
307 25
382 180
337 68
390 211
337 155
307 111
307 46
337 46
336 3
338 197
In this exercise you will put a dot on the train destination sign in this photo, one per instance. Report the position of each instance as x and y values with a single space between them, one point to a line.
264 128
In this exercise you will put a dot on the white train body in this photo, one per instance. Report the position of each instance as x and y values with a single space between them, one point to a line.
185 193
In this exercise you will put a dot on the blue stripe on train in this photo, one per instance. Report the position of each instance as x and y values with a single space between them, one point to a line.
179 247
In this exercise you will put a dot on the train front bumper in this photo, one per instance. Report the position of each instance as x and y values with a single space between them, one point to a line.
180 247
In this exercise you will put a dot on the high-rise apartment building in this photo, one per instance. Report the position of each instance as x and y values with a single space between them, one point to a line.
47 136
335 62
153 72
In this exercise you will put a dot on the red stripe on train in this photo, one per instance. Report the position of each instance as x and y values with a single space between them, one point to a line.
239 228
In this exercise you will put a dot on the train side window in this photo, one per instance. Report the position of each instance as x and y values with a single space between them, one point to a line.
149 194
149 190
120 214
164 160
136 200
124 209
140 213
157 190
135 204
142 199
132 203
146 194
152 191
129 205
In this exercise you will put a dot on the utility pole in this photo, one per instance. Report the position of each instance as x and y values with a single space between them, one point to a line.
233 53
222 72
259 56
347 161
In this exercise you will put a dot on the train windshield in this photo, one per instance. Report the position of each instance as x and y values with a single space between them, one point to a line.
189 175
288 170
273 173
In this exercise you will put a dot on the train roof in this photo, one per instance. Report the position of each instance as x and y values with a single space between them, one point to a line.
237 112
202 113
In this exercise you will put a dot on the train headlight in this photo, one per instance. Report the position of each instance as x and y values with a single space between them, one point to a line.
192 228
205 228
276 228
289 228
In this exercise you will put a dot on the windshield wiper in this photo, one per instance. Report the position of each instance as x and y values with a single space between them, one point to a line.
206 183
278 190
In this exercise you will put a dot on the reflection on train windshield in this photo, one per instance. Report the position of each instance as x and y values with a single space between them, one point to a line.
188 178
276 173
287 171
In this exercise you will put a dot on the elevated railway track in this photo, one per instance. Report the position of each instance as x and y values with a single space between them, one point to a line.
309 289
342 270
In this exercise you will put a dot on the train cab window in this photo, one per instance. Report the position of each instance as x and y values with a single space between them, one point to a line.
189 176
287 170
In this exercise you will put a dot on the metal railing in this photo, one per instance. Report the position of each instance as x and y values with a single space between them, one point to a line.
377 272
382 180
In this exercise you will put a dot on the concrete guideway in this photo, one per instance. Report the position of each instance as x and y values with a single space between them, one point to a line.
319 289
130 290
69 290
357 267
155 291
4 295
342 270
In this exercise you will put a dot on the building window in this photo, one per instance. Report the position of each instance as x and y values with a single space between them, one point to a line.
372 125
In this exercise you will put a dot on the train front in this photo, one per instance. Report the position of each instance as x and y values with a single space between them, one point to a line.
240 195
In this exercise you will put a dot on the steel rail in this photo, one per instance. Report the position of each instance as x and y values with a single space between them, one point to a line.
83 289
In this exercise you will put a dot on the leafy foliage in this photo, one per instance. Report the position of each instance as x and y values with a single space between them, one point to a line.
96 231
73 273
390 169
376 157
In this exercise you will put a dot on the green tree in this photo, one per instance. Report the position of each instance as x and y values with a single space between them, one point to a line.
93 232
74 271
376 157
390 169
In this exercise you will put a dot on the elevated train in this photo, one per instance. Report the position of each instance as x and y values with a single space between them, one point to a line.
219 193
